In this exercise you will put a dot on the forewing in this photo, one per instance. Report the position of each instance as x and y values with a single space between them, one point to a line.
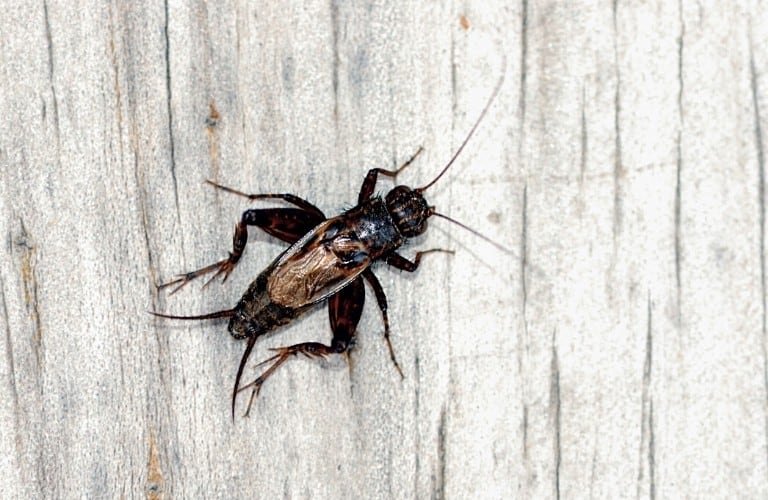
324 261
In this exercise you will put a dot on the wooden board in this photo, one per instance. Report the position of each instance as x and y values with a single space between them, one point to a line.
620 350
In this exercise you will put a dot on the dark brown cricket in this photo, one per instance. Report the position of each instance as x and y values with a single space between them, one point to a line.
328 260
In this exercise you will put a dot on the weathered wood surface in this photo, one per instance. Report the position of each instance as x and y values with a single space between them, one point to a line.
621 353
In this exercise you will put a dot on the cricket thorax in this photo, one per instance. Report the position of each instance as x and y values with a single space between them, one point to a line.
375 227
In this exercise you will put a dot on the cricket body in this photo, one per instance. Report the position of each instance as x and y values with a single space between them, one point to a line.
328 259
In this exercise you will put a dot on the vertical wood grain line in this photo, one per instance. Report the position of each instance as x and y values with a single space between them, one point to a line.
761 217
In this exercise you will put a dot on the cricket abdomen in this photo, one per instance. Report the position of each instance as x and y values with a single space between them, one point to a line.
256 314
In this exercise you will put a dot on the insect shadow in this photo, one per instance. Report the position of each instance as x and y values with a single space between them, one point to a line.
328 260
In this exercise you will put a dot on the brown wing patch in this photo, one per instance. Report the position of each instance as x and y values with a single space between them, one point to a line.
318 265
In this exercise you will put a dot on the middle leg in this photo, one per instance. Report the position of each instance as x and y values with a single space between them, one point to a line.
381 299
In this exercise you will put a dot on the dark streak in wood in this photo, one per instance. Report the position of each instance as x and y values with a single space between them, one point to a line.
30 290
646 406
141 199
141 193
453 82
584 153
678 247
679 166
647 371
523 58
439 486
761 216
618 168
51 67
154 472
593 471
214 116
524 251
10 358
389 469
335 28
525 432
113 59
651 452
524 306
169 98
417 418
45 472
211 129
554 410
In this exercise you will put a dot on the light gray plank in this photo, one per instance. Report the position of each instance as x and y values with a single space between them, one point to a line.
619 351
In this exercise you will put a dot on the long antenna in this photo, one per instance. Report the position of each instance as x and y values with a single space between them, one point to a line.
476 233
471 131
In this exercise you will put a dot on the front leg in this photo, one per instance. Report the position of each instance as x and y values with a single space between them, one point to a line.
373 174
398 261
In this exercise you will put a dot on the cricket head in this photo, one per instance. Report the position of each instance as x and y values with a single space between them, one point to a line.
409 210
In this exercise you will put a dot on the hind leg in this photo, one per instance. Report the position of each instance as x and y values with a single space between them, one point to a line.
287 224
287 197
344 311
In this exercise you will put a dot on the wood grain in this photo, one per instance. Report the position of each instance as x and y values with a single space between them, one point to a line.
621 351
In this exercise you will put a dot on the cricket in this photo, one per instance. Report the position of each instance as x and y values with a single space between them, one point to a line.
328 259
